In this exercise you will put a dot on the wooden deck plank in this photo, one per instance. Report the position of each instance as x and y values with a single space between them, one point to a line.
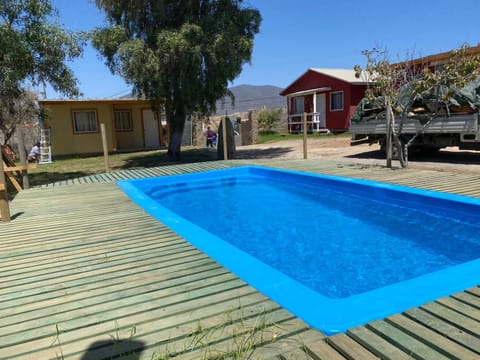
460 307
468 298
446 329
98 273
404 341
443 345
320 350
349 348
376 344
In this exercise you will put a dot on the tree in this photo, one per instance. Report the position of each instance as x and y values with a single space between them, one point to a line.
268 118
398 86
178 54
21 109
34 50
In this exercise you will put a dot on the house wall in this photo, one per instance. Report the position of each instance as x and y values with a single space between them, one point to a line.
357 94
133 139
64 141
335 120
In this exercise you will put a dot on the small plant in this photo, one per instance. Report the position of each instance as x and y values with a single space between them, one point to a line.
241 337
56 340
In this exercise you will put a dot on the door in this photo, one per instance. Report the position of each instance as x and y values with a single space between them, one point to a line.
150 130
321 109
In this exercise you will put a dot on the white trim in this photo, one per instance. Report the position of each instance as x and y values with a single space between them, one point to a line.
310 91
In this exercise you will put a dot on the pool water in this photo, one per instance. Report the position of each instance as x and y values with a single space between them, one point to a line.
310 235
356 248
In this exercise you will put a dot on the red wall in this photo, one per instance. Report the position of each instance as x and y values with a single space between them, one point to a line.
352 94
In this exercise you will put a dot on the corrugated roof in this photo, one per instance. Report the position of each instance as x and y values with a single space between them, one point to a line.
347 75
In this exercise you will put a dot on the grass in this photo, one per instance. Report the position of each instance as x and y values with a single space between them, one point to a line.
67 168
77 166
268 137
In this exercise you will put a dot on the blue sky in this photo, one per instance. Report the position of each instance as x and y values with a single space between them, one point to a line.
300 34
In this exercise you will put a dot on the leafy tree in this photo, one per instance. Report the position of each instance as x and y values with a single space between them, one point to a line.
397 87
34 50
268 118
179 54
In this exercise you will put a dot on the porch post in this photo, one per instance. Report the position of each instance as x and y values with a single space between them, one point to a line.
288 114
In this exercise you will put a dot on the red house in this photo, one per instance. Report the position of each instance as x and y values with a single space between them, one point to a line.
328 96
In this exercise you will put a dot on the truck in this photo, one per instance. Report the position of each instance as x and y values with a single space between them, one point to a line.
428 125
456 129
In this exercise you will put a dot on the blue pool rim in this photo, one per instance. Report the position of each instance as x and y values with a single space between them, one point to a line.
328 315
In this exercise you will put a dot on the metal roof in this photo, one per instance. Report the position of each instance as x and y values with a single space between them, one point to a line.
347 75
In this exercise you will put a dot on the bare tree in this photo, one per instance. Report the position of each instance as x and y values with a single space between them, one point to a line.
17 110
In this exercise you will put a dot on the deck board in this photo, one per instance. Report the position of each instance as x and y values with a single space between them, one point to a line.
81 258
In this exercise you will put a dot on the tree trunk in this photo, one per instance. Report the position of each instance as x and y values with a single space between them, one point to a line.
23 155
399 144
388 140
176 133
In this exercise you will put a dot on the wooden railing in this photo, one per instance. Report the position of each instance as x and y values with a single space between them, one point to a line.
314 123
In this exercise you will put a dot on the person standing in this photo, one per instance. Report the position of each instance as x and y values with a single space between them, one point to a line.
210 136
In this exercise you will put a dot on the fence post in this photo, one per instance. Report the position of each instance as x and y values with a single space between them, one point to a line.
225 142
105 148
4 209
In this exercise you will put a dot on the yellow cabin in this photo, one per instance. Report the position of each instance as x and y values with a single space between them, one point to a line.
130 124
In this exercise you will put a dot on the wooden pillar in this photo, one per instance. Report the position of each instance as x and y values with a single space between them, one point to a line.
105 148
225 142
4 209
304 135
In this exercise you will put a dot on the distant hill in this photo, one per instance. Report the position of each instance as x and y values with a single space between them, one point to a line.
249 97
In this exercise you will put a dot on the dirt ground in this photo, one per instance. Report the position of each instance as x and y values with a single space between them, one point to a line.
338 148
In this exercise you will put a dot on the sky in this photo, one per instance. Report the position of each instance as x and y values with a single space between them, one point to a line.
301 34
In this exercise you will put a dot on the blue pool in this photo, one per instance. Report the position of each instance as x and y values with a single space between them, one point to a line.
336 252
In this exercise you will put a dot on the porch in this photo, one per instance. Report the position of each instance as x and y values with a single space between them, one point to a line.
315 123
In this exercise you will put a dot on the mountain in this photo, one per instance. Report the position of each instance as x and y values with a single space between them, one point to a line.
249 97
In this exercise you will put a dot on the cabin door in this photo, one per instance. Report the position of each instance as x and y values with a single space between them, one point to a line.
150 130
321 110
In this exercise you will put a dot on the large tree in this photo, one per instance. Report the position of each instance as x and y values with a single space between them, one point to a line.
178 54
34 49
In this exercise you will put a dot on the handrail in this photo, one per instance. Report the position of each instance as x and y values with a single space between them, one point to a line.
314 122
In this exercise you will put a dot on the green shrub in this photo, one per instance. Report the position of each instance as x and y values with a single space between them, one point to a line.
268 119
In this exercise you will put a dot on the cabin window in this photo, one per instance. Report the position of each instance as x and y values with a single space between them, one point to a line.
336 101
85 121
123 120
299 105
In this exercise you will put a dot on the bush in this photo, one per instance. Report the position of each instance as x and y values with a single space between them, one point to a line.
268 119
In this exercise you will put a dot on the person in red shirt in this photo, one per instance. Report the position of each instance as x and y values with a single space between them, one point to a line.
210 136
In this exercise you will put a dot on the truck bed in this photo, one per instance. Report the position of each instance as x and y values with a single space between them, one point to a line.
455 124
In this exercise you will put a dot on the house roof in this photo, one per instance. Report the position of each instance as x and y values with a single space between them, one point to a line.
441 58
347 75
94 101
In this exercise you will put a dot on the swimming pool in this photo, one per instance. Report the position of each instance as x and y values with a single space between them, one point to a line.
336 252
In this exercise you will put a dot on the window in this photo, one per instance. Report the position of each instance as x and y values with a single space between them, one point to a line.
299 105
336 101
84 121
123 120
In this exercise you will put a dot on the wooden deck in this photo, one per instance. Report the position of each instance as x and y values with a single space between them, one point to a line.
86 274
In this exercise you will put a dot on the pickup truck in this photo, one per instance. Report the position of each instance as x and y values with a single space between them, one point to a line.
456 129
